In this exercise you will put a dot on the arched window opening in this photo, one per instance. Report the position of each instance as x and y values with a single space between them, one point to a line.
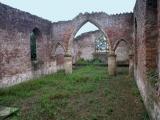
135 43
35 34
135 24
152 3
101 44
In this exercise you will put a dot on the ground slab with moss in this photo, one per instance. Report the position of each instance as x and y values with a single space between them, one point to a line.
88 94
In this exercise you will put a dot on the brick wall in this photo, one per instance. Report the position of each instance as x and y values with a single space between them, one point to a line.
15 58
146 56
114 27
84 47
122 53
140 29
16 27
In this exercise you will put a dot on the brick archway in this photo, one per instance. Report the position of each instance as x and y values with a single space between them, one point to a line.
122 40
82 21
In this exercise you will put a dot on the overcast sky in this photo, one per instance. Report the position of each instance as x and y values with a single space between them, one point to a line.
59 10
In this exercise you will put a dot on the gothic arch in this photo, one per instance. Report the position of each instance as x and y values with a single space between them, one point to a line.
61 45
37 32
79 26
119 41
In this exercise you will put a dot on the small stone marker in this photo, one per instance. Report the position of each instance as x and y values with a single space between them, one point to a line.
7 111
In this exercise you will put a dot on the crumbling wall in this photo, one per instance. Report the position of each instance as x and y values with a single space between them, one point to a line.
16 27
15 58
114 27
61 32
140 29
145 44
84 47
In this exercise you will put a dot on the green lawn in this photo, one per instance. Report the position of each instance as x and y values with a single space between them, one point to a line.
88 94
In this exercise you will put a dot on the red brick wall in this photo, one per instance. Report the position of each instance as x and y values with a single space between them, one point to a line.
159 36
60 59
16 26
85 45
15 57
146 55
116 27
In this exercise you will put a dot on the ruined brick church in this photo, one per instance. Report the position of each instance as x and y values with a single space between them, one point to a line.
140 30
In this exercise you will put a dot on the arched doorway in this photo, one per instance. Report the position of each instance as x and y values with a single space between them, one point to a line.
59 53
124 54
76 30
35 36
90 46
70 44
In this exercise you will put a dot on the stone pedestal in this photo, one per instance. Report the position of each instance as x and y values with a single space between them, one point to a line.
131 64
68 64
112 64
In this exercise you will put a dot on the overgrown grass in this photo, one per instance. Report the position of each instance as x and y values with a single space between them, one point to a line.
87 94
153 77
88 62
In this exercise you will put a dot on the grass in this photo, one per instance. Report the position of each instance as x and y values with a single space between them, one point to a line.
88 94
94 61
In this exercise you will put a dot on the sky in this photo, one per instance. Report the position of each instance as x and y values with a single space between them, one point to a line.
61 10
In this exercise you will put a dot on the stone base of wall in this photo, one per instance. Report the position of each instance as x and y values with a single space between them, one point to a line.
16 79
60 67
7 81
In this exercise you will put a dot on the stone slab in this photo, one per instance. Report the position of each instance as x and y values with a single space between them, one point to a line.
7 111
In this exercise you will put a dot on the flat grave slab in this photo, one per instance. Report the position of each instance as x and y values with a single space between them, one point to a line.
7 111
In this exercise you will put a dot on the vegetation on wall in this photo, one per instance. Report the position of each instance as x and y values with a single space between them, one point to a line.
153 78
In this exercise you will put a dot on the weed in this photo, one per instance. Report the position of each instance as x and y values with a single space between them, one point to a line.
87 94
